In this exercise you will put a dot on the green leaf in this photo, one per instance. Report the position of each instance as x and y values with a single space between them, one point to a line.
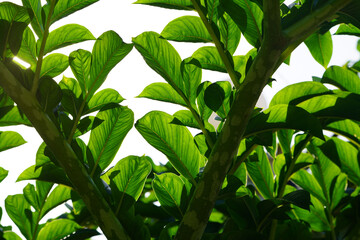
8 235
10 139
300 198
230 33
344 155
208 58
129 176
171 192
161 56
170 4
27 51
87 124
109 49
12 116
346 128
80 63
3 174
320 47
102 98
204 110
13 13
185 118
298 92
248 17
175 141
259 169
20 213
34 8
71 95
338 191
58 229
66 35
191 78
162 92
284 116
218 97
37 197
105 140
49 94
349 13
48 172
186 29
342 78
348 29
58 196
53 65
64 8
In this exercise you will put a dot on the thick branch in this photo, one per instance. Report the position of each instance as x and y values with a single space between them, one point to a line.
76 172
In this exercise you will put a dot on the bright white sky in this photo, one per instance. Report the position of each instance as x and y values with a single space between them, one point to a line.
131 76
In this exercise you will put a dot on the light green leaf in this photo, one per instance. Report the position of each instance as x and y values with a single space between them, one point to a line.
87 124
185 118
348 29
3 174
80 62
170 190
230 33
346 128
204 110
66 35
338 191
13 13
34 6
192 78
12 116
342 78
320 47
129 176
105 140
162 92
109 49
8 235
298 92
27 51
72 96
208 58
170 4
186 29
10 139
59 195
102 98
175 141
64 8
284 117
53 65
58 229
218 97
259 169
248 17
20 213
213 10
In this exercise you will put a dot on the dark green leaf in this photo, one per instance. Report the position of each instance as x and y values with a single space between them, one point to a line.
171 4
244 211
191 78
102 98
109 49
204 110
10 139
34 8
350 13
300 198
186 29
53 65
218 96
71 95
87 124
320 46
162 92
105 140
342 78
175 141
58 229
49 94
80 62
208 58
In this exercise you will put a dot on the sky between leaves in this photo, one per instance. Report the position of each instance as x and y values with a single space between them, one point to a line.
132 75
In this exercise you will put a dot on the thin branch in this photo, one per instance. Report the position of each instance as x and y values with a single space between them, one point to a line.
63 152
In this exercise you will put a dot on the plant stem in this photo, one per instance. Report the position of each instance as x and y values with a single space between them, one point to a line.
218 44
63 152
35 84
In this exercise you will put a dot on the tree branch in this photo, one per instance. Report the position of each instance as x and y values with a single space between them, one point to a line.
74 169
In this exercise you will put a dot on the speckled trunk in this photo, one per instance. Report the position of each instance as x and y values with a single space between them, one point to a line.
77 174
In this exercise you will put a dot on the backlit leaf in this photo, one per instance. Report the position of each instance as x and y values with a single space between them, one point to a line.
320 46
53 65
342 78
230 33
80 62
102 98
9 139
171 4
71 95
209 58
346 128
218 97
192 78
59 195
58 229
3 174
12 116
49 94
348 29
27 51
34 7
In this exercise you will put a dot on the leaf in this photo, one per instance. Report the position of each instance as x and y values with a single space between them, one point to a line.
102 98
170 191
191 78
64 8
27 51
105 140
300 198
350 13
53 65
170 4
162 92
208 58
218 97
128 177
3 174
248 17
64 36
80 63
338 191
59 195
49 94
260 172
244 211
58 229
12 116
161 56
298 92
284 116
346 128
230 33
348 29
186 29
174 141
8 235
10 139
34 8
109 49
87 124
342 78
20 213
71 95
204 110
185 118
320 46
